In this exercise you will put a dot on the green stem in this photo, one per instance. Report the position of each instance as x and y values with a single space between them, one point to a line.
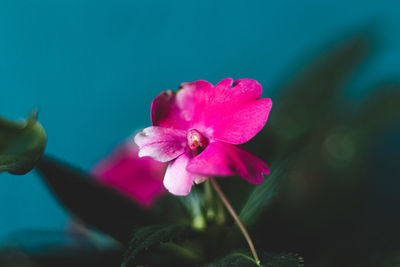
214 207
236 218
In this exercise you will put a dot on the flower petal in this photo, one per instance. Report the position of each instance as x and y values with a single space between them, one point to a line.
165 112
233 93
162 144
192 98
137 178
177 110
237 125
177 179
246 89
222 159
222 112
229 114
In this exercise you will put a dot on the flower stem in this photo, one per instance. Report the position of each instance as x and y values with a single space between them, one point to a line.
236 218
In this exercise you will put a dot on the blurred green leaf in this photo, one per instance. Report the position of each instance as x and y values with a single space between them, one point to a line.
381 107
149 236
49 248
21 144
307 100
310 97
388 258
243 259
13 258
97 205
263 195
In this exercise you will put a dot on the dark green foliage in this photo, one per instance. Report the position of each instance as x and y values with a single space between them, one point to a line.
322 210
93 203
243 259
262 196
310 100
149 236
310 97
21 144
50 248
381 108
318 147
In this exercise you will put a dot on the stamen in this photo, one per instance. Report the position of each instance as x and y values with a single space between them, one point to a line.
196 140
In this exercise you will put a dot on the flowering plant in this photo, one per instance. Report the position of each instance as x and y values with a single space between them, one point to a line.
161 199
196 130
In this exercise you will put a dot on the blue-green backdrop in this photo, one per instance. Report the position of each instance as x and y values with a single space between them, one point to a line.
93 67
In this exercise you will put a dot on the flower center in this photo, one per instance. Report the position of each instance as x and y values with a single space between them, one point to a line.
196 140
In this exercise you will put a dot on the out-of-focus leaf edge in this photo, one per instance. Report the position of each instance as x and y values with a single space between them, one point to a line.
243 258
95 204
22 144
149 236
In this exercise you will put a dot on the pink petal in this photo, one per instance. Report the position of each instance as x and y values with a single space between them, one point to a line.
238 125
241 115
222 112
236 92
246 89
162 144
165 112
137 178
192 98
230 114
222 159
177 179
177 110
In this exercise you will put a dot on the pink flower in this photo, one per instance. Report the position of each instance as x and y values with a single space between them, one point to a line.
196 130
137 178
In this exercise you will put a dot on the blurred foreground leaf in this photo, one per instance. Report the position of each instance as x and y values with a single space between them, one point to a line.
263 195
95 204
21 144
49 248
244 259
149 236
380 108
309 98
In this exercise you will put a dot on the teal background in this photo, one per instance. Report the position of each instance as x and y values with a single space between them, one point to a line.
92 68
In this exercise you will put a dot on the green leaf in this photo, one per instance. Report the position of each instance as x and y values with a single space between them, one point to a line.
386 258
243 259
263 195
380 108
149 236
21 144
95 204
310 97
